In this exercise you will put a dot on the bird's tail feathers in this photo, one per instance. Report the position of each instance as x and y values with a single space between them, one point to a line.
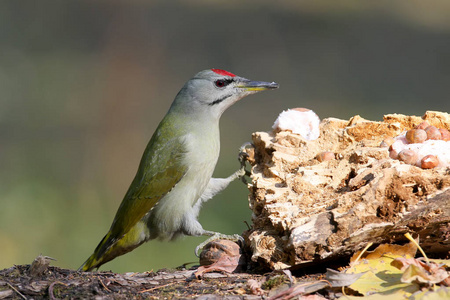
98 258
111 246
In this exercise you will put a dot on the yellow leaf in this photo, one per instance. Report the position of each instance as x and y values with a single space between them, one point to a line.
381 276
408 251
384 296
442 293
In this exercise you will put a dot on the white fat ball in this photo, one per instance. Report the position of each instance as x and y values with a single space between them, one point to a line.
299 120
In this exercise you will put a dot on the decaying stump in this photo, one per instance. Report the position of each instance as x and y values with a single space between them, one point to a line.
305 210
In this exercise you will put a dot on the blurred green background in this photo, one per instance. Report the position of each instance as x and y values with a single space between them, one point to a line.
83 85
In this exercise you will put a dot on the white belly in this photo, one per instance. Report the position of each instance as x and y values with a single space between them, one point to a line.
167 217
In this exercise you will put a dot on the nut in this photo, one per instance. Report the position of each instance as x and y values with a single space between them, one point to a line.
393 154
422 125
415 136
429 162
387 142
445 134
408 156
324 156
433 133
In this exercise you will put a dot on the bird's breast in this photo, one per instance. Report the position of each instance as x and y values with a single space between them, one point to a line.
201 154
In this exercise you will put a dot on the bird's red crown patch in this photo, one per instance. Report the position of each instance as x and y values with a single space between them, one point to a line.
223 72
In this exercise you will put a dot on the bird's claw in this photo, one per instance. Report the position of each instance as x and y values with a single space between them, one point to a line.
241 173
243 155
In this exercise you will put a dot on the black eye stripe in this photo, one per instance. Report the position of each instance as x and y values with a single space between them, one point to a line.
219 100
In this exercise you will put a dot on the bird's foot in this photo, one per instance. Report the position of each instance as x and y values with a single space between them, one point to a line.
243 155
217 236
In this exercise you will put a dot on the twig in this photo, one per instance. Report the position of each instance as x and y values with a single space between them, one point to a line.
362 252
50 289
21 295
409 237
248 226
103 284
156 287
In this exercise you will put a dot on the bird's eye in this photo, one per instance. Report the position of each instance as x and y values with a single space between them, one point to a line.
220 83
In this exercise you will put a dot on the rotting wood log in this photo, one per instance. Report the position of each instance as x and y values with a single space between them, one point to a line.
307 211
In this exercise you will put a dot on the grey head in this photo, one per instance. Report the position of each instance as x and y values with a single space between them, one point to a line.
212 91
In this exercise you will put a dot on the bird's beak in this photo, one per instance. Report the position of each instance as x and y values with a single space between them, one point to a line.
257 85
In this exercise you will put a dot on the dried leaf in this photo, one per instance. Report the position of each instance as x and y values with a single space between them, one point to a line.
40 265
407 250
338 279
313 297
289 293
420 274
420 271
6 294
255 287
226 264
289 275
402 263
300 289
380 276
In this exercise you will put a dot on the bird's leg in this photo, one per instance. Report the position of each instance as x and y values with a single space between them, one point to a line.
217 236
215 186
193 228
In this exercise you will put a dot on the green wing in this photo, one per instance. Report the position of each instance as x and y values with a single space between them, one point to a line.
159 176
161 168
